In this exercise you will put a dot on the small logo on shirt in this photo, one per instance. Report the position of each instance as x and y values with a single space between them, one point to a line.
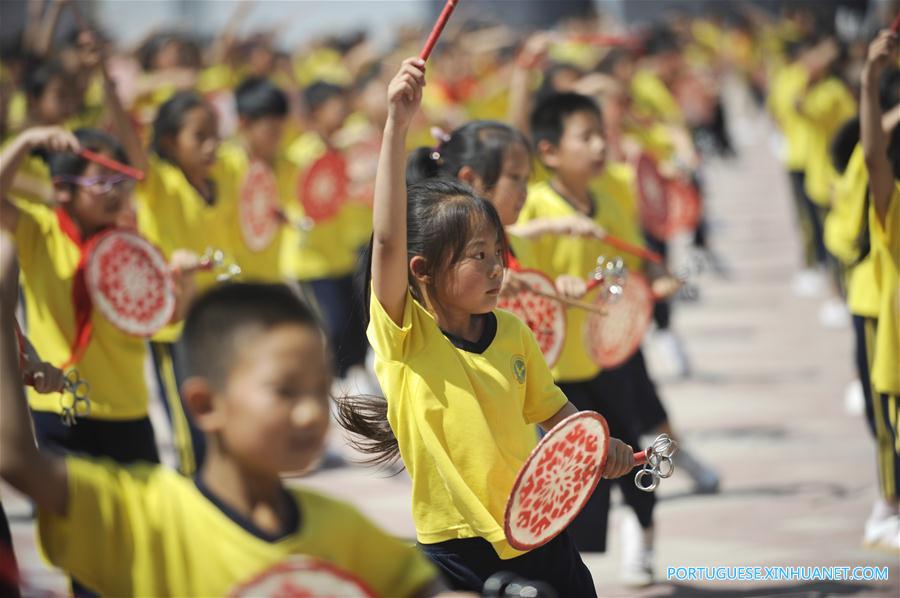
518 368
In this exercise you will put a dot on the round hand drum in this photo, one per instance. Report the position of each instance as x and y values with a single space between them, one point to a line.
652 197
304 577
684 206
545 317
561 473
258 207
128 282
611 339
323 187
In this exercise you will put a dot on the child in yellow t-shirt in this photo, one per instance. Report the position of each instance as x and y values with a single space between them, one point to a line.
464 383
258 386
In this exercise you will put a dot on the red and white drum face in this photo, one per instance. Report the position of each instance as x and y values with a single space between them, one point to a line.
556 480
545 317
128 282
684 206
257 207
323 187
652 197
613 337
304 577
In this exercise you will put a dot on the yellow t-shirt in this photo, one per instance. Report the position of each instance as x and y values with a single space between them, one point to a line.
461 417
113 362
523 250
788 83
32 181
843 226
827 106
330 249
653 99
886 250
577 256
260 265
145 530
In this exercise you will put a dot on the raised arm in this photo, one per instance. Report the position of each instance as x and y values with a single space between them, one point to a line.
882 52
389 256
55 139
38 475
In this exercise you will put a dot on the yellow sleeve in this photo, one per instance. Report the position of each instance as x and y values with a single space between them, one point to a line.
32 227
389 341
845 221
886 249
98 538
543 398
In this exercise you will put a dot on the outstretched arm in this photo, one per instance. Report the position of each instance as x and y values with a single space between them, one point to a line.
389 256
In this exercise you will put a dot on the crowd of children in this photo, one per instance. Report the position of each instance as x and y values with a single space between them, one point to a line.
360 208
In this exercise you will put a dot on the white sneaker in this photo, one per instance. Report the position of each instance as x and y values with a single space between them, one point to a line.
834 314
809 282
637 552
854 399
671 352
883 534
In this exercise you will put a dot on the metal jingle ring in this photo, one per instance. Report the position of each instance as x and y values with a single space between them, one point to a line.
665 468
654 479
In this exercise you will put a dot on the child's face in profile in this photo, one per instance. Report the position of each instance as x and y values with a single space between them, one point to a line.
472 285
581 152
511 189
264 136
197 142
332 114
275 406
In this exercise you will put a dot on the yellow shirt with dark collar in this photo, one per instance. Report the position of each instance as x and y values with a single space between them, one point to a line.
147 531
824 110
577 256
788 83
330 249
172 215
843 227
886 254
462 413
113 362
260 265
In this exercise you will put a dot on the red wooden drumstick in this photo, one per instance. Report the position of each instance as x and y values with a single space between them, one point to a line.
635 250
895 26
438 28
111 164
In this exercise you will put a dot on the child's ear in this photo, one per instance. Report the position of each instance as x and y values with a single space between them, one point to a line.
203 409
418 265
468 175
548 153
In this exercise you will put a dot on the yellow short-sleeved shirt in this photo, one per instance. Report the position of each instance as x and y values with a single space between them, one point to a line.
886 255
32 181
462 417
843 227
577 256
330 249
653 99
147 531
788 82
524 251
827 106
260 265
113 362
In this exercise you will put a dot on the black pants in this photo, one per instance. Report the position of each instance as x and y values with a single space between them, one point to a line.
809 219
466 564
650 410
339 304
662 308
612 394
126 441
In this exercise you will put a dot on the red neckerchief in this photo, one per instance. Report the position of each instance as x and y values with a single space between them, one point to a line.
81 299
511 262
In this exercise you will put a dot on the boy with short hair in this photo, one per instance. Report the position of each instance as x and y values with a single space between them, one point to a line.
258 388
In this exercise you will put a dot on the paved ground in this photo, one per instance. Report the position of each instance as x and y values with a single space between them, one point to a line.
764 406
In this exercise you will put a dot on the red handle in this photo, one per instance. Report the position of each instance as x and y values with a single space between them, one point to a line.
895 26
594 283
438 28
111 164
636 250
640 458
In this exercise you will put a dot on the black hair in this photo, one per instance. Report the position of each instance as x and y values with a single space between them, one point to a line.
217 317
71 164
481 145
843 144
188 50
661 40
549 115
257 97
320 92
38 74
170 118
547 85
441 214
